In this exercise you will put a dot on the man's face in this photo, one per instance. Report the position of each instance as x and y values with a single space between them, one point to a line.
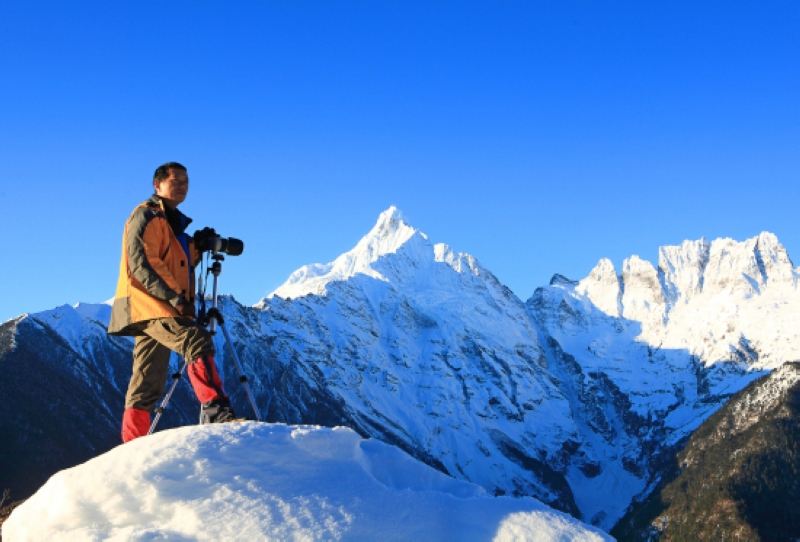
174 188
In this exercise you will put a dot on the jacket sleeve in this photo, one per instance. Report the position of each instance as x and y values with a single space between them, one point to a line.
144 248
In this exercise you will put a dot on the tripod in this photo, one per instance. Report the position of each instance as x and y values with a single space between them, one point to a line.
212 318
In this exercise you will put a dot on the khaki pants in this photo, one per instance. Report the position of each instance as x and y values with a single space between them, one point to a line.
151 356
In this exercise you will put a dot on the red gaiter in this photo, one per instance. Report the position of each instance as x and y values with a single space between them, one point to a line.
205 379
135 423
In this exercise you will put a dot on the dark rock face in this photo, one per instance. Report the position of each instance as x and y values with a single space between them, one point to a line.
542 470
738 477
62 407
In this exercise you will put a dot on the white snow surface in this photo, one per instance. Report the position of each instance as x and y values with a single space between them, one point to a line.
256 481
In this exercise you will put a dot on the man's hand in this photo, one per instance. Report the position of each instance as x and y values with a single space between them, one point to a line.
185 308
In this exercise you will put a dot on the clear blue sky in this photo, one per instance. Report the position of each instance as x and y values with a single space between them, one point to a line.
539 136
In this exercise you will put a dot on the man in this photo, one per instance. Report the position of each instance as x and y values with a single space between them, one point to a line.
154 302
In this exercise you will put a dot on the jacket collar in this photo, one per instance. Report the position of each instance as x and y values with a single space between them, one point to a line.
175 217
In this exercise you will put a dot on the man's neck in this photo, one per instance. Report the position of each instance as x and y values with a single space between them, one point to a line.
168 203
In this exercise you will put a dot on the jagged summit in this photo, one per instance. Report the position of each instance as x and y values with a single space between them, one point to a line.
389 233
412 253
716 299
387 236
602 287
700 267
389 220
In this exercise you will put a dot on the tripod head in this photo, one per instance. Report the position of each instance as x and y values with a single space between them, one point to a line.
216 267
212 316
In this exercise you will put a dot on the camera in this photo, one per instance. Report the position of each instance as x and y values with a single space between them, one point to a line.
208 239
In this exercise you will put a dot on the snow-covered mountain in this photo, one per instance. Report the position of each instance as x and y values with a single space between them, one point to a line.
255 481
425 348
672 343
710 298
577 397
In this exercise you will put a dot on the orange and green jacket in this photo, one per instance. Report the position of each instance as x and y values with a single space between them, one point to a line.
156 270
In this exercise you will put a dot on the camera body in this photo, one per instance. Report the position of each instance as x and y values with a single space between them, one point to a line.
208 239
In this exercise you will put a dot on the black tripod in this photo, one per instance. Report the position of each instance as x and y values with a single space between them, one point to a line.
212 318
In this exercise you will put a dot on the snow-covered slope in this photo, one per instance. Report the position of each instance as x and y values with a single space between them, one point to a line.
81 325
255 481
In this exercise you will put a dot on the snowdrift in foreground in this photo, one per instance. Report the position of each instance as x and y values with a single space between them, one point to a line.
255 481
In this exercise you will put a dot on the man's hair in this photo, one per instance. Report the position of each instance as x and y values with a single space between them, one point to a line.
162 171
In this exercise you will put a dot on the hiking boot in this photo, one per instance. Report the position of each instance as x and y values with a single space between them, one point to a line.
217 411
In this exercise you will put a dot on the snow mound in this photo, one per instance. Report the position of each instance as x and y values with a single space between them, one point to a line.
256 481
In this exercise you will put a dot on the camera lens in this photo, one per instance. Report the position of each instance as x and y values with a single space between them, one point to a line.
232 246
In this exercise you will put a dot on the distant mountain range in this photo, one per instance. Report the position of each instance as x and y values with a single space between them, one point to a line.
580 396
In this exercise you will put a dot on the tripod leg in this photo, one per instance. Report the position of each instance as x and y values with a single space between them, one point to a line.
242 377
176 377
